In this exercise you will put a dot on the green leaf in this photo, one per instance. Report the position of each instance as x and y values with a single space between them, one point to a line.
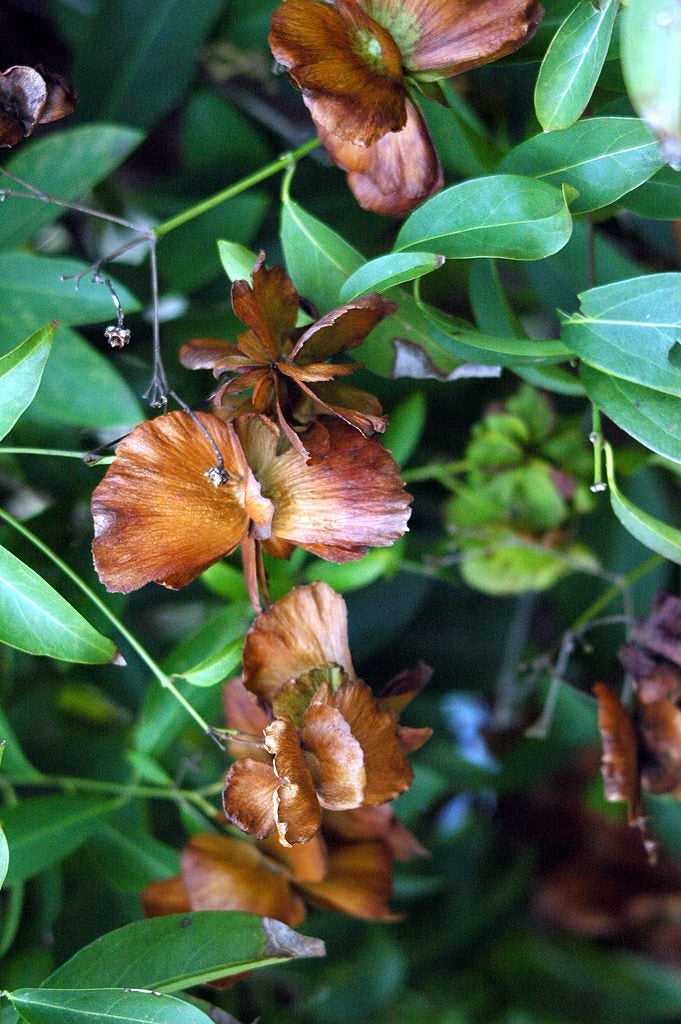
148 61
36 619
173 953
83 388
494 316
651 63
129 862
20 373
601 158
573 64
630 329
218 143
237 260
4 857
405 430
650 531
217 667
651 417
659 198
466 343
14 760
363 572
44 1006
463 145
320 261
504 215
4 848
388 271
66 164
163 719
41 831
32 293
510 567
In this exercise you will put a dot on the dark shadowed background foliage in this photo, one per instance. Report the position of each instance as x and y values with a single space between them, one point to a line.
185 100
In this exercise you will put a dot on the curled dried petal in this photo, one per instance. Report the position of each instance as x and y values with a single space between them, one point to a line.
158 517
297 811
446 37
388 771
335 757
394 175
228 874
337 53
619 762
249 797
358 883
305 630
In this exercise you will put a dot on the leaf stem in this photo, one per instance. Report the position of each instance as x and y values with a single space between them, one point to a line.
165 680
596 438
435 471
613 592
73 784
47 452
280 164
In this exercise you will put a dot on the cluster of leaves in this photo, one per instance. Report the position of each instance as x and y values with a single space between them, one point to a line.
105 777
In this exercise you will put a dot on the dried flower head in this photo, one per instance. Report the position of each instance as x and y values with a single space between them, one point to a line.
160 517
280 369
352 60
330 744
29 97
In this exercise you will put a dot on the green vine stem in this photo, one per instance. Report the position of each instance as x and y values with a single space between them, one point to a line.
282 163
73 784
165 680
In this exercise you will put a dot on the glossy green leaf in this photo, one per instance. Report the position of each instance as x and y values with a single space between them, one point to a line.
406 426
320 261
651 62
36 619
494 316
631 329
504 215
601 158
659 198
389 271
467 343
74 1006
173 953
650 531
651 417
217 667
41 831
573 63
465 148
66 164
148 61
83 388
237 260
21 371
32 294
